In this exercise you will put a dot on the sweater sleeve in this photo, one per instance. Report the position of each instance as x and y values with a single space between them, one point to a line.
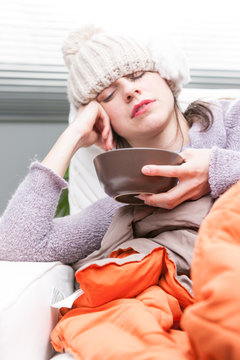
29 231
224 168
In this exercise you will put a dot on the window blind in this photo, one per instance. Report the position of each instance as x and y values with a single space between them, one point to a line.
32 72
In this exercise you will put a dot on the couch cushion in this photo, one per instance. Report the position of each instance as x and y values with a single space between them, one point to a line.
26 316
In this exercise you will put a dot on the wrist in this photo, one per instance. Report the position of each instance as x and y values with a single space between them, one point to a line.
61 153
79 136
72 139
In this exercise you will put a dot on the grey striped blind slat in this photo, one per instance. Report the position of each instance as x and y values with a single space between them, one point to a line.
32 72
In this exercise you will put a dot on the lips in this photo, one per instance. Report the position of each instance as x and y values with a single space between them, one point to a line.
141 107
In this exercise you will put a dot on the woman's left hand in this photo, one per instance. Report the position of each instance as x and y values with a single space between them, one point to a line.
192 175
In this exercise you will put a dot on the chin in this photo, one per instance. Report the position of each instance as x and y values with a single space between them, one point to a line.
154 124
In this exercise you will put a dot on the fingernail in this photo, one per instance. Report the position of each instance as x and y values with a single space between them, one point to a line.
109 145
146 170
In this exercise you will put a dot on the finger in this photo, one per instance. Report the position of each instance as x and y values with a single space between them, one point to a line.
105 122
106 137
98 129
169 199
163 170
109 140
101 143
106 130
107 143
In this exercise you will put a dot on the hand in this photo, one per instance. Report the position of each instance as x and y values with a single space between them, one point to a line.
93 126
192 175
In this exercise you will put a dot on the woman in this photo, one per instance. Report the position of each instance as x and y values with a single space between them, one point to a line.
126 93
109 77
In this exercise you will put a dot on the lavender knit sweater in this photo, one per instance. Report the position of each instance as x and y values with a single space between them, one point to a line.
28 231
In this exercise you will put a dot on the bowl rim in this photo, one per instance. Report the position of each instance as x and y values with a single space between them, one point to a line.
137 148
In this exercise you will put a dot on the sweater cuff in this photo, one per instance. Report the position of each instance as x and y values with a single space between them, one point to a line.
57 180
223 170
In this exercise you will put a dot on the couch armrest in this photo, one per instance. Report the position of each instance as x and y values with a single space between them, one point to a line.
26 316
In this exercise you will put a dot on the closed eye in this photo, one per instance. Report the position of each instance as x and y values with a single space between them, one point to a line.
136 75
108 98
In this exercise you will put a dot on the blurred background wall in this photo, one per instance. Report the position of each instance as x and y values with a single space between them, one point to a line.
33 103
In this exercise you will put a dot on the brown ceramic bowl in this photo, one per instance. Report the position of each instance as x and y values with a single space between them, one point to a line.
119 171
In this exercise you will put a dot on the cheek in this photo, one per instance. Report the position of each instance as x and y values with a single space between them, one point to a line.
116 116
117 125
111 109
167 98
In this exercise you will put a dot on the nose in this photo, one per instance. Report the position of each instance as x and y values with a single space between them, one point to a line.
130 90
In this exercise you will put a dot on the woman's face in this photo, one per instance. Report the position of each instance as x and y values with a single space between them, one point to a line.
141 108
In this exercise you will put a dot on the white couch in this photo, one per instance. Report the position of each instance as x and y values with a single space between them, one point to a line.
29 289
26 315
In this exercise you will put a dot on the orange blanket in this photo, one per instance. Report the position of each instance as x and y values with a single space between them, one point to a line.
139 310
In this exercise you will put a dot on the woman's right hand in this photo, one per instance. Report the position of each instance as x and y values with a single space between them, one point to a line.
93 126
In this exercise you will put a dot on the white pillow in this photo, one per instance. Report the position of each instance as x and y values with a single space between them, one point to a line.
26 316
84 187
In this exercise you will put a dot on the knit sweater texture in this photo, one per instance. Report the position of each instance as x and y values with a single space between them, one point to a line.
29 231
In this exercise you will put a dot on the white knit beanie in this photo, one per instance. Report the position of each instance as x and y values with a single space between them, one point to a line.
96 59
